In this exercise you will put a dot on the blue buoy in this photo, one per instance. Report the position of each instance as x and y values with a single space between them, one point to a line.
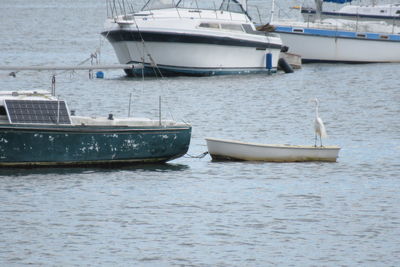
268 61
100 75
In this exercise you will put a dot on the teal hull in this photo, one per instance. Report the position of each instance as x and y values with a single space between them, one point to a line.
90 145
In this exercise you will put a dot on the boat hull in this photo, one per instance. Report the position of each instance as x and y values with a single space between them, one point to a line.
221 149
330 46
171 58
90 145
309 16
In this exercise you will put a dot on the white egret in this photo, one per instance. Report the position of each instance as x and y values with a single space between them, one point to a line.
319 126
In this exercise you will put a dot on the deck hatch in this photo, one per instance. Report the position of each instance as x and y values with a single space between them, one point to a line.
37 111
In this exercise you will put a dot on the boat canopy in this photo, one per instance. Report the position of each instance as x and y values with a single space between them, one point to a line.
224 5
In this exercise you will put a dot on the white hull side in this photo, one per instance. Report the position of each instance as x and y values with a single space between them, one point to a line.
227 149
320 48
390 21
195 56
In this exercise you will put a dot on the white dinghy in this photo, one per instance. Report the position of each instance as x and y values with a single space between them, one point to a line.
221 149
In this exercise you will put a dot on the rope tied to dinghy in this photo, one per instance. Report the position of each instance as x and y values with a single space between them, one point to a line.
202 155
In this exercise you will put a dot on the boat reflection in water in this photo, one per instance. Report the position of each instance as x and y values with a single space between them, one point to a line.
36 129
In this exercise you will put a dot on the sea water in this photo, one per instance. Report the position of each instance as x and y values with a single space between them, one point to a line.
192 211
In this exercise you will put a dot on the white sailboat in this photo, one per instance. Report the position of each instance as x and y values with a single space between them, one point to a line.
335 40
380 12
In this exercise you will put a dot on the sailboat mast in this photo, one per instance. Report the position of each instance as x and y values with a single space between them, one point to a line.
272 12
318 9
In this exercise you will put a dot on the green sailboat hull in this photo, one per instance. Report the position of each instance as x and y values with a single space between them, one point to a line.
90 145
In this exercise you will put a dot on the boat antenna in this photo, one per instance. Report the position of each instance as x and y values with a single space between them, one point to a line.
159 110
129 106
58 110
53 85
272 12
394 18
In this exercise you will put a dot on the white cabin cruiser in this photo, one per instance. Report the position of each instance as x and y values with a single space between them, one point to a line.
198 38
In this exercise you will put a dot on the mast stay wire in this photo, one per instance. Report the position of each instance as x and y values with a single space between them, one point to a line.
146 51
153 64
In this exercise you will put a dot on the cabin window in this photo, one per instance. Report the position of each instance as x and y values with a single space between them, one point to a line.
382 11
298 30
141 15
398 12
3 111
384 37
159 4
209 25
232 27
232 6
361 35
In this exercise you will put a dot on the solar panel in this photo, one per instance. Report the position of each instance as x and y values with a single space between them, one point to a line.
37 111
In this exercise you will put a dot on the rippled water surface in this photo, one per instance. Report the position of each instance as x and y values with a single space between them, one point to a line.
195 212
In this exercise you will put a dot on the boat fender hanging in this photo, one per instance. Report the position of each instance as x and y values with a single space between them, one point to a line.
285 66
100 75
284 48
268 61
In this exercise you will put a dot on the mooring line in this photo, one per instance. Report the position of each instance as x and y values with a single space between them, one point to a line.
202 155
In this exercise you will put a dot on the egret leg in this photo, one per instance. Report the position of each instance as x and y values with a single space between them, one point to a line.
315 143
320 139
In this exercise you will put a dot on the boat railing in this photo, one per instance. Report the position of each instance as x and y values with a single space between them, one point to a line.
254 13
130 18
119 7
106 121
124 10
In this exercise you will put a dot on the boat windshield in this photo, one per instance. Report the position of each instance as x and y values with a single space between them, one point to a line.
159 4
224 5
